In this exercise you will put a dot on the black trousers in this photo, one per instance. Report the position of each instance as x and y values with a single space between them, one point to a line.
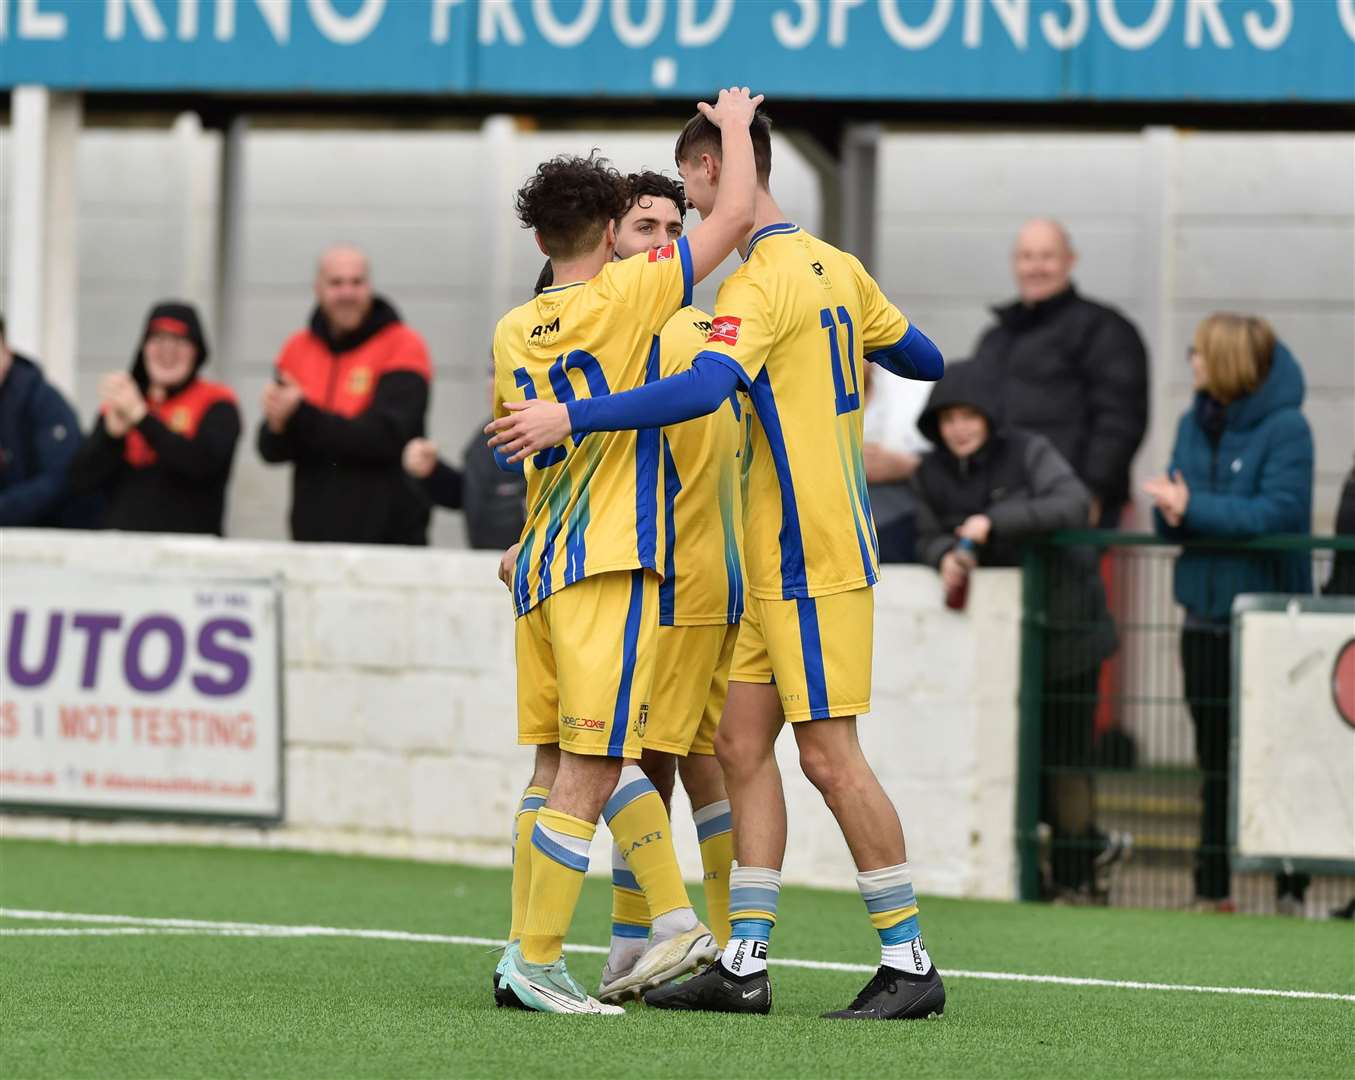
1066 733
1207 661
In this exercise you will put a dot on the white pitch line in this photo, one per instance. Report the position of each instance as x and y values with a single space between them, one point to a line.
140 925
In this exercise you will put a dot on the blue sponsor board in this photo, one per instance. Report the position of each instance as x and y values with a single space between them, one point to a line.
874 50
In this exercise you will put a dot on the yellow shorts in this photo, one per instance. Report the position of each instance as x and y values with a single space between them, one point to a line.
585 658
818 652
690 685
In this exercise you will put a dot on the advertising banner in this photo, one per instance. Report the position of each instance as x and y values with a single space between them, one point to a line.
151 695
1294 728
865 50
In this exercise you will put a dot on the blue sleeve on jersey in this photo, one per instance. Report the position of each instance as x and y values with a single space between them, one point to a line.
913 356
501 460
688 274
699 390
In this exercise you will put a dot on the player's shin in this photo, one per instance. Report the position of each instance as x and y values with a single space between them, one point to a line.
641 829
715 835
523 824
892 905
559 862
753 895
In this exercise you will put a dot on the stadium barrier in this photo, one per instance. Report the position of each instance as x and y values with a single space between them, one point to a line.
398 693
1142 772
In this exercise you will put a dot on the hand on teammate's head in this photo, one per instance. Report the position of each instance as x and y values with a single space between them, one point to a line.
736 105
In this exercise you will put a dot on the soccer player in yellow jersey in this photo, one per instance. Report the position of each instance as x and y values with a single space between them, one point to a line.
700 603
587 574
793 327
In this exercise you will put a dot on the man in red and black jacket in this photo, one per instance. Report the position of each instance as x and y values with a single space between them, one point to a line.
350 391
160 453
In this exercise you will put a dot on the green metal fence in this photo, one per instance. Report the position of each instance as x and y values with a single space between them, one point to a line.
1122 771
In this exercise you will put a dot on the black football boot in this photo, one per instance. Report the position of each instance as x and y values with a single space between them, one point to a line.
715 990
896 995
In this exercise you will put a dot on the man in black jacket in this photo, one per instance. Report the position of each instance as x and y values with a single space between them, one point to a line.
39 435
1069 368
350 391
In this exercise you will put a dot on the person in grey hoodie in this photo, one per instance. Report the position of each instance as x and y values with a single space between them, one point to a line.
999 488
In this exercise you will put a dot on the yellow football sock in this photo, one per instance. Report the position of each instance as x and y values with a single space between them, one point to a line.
715 833
532 801
640 827
559 861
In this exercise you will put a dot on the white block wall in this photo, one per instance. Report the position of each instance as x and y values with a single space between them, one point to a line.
400 714
1169 226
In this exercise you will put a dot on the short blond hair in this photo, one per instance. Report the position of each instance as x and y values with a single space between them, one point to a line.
1237 351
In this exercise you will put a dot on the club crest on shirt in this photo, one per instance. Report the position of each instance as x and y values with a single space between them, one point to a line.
360 380
662 254
642 720
724 328
180 420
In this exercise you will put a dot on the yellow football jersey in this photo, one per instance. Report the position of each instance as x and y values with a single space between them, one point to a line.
795 321
592 504
702 500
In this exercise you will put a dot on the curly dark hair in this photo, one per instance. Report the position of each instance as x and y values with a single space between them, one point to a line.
569 200
650 184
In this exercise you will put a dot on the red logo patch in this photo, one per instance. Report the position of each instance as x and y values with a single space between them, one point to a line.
662 254
724 328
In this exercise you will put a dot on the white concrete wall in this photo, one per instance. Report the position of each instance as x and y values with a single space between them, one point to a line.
400 716
433 209
1170 226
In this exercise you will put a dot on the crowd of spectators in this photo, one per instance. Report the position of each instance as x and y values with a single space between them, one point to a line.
1035 433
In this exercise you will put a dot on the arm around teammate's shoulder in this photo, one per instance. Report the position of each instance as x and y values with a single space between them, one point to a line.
731 218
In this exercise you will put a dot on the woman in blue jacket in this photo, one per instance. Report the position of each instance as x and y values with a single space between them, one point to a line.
1242 466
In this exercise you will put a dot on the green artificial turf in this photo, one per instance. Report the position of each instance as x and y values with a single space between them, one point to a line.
189 1005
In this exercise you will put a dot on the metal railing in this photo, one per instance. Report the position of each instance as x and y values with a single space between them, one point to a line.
1122 772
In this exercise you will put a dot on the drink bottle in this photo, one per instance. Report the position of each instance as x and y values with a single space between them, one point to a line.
958 595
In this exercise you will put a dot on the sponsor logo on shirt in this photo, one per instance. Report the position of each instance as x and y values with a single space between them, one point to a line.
724 328
662 254
542 330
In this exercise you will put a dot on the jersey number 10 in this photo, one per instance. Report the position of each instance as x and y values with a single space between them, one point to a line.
593 375
847 401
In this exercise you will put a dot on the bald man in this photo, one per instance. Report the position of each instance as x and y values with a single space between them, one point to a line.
1069 368
348 392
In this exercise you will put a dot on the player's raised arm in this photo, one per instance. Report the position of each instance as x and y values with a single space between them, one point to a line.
732 173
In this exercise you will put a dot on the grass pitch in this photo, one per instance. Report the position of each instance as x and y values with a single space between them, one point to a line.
185 1001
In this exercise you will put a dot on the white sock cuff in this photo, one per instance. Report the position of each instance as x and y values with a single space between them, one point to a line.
710 811
887 877
753 889
630 772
